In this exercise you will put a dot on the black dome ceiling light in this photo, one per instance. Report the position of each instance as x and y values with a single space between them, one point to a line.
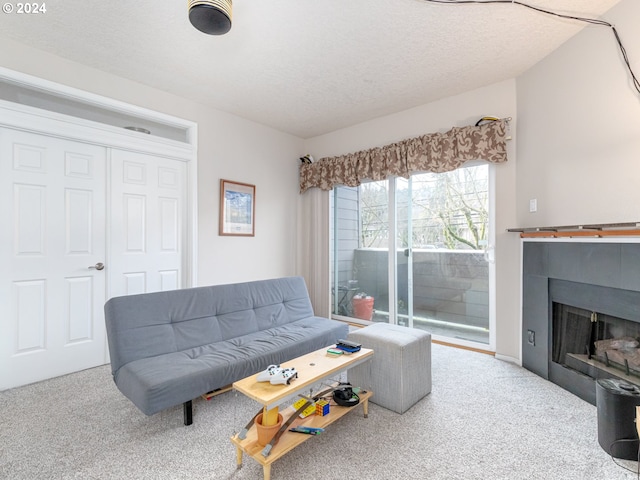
211 16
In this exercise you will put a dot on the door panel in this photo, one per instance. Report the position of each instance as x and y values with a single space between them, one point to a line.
148 212
52 195
30 318
403 251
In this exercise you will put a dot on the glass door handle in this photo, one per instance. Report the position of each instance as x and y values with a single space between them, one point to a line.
489 254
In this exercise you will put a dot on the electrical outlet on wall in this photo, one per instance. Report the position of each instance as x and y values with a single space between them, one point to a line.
531 337
533 205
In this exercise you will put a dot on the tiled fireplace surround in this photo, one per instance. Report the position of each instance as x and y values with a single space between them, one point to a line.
603 277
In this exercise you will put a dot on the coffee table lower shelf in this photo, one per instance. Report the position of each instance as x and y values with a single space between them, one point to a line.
290 440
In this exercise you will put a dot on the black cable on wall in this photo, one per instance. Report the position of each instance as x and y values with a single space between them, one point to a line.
593 21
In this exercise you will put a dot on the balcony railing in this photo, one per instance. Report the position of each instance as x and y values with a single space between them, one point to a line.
450 289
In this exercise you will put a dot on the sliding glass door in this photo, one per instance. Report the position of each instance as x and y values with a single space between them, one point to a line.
360 246
437 277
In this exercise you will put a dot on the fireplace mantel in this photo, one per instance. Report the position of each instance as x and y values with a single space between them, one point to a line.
591 230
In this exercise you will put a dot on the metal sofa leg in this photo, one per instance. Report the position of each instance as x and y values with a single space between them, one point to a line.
188 412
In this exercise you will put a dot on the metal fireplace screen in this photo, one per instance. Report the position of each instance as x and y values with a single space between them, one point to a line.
601 340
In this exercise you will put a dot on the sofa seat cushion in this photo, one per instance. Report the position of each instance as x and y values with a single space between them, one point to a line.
155 383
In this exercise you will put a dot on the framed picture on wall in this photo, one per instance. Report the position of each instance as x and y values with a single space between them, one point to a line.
237 208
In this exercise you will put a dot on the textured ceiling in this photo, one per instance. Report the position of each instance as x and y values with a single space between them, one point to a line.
306 67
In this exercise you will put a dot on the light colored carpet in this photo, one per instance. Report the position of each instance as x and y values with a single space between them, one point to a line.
485 419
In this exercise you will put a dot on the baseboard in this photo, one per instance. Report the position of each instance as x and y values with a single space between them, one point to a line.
506 358
463 347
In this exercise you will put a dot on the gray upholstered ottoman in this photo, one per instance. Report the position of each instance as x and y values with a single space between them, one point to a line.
400 373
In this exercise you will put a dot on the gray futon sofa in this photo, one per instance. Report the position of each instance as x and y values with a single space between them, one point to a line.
168 348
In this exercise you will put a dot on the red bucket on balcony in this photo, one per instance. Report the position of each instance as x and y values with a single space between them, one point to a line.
362 307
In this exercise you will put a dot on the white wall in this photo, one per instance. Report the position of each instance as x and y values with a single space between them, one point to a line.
228 147
235 149
495 100
579 129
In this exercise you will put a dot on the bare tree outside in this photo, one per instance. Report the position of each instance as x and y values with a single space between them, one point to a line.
374 214
449 210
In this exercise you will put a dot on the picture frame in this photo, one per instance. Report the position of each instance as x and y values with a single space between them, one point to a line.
237 209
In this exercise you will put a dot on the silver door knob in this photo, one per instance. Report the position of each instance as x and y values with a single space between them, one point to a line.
97 266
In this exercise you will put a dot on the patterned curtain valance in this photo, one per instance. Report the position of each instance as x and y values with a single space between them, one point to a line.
435 152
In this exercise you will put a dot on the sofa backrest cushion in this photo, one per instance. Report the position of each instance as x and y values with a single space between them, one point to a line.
150 324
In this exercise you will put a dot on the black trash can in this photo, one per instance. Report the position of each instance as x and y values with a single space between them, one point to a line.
616 401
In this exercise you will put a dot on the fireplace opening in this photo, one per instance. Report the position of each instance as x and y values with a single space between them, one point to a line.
595 344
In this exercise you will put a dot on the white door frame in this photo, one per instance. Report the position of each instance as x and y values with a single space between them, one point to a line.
59 125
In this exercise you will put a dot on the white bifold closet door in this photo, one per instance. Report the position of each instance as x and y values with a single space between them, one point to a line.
148 214
79 223
52 218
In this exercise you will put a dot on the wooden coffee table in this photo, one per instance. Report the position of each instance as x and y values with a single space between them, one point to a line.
313 368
